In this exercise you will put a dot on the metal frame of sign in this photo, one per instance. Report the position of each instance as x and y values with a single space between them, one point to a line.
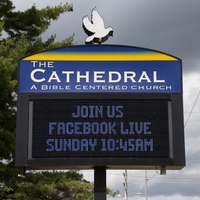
176 159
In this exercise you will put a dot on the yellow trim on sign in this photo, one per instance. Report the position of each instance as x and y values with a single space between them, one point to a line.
100 57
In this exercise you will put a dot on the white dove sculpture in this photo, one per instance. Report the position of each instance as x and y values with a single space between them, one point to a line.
95 29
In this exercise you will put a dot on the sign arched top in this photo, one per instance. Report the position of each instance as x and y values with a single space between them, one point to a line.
101 53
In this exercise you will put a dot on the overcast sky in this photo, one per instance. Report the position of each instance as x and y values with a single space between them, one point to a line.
170 26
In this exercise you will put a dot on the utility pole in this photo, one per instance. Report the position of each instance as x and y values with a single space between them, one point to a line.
146 188
126 185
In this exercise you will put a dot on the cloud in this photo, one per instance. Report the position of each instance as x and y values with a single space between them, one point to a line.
174 197
169 26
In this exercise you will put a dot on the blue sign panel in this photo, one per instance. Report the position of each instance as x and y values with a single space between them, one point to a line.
100 68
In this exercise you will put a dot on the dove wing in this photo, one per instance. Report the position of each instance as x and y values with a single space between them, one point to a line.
97 19
88 26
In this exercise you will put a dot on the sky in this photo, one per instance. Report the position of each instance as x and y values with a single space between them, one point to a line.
170 26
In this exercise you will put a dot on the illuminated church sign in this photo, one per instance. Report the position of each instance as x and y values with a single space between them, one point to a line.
110 105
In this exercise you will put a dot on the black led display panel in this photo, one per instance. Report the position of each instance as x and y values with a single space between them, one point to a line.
92 128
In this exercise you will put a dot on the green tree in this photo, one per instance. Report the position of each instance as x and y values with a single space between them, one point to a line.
5 190
68 185
54 185
32 22
23 38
